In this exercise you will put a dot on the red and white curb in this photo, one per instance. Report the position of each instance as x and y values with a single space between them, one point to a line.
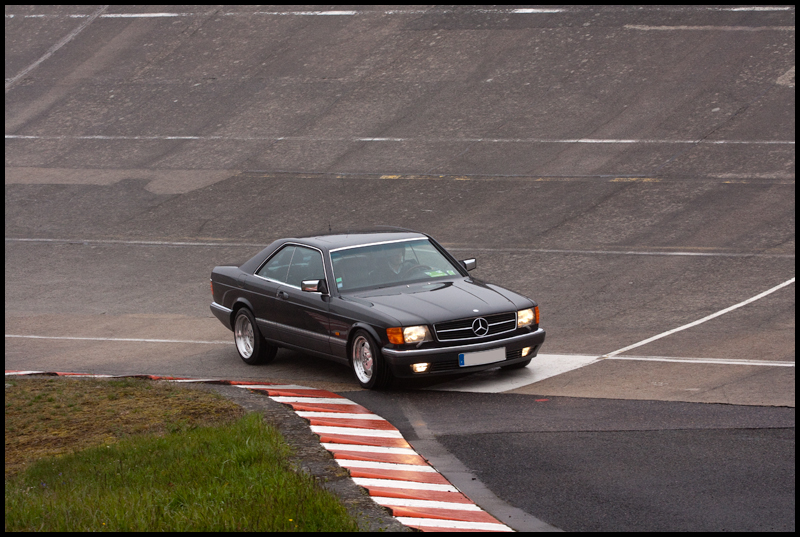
374 452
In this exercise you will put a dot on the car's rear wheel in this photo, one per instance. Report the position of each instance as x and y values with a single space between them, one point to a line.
253 349
368 364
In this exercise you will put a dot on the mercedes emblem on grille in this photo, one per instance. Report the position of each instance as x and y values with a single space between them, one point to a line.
480 326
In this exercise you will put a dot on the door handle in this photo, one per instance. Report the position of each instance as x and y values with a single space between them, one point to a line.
283 294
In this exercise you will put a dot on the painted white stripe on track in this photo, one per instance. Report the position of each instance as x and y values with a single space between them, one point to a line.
368 449
406 502
700 321
711 28
52 50
338 415
135 340
349 463
718 361
405 485
354 431
453 249
452 524
356 139
321 400
275 386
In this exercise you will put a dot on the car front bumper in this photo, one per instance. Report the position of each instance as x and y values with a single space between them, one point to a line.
444 360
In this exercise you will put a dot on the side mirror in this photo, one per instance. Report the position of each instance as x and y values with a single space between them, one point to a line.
469 264
314 286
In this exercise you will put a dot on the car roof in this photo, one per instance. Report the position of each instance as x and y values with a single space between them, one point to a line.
346 240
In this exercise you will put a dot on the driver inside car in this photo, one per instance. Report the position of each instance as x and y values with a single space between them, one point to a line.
391 266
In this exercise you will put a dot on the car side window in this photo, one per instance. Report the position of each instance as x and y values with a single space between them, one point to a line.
306 265
277 268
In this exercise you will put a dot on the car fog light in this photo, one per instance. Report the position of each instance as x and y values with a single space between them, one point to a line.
525 351
420 368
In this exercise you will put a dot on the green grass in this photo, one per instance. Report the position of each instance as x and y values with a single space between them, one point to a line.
228 477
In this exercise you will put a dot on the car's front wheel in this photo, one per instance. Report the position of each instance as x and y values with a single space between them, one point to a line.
253 349
370 368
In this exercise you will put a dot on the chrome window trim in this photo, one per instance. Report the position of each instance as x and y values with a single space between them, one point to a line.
267 260
421 237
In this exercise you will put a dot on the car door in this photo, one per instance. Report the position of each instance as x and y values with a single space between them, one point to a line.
304 315
263 289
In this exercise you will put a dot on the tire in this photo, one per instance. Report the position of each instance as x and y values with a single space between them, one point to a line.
369 367
253 349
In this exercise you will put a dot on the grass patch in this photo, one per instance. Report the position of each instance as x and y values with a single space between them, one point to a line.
178 475
53 416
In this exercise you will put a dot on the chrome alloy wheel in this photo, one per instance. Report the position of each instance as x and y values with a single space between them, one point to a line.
244 336
363 359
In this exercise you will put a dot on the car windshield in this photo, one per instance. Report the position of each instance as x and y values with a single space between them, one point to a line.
383 265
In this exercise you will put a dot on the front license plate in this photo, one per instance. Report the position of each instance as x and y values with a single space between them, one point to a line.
484 357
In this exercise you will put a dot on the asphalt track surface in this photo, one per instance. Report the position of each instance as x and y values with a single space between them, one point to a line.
632 169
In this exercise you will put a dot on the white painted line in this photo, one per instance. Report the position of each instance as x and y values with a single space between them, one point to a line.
145 15
453 249
339 415
135 340
541 367
406 502
191 380
452 524
545 366
354 431
618 252
320 400
275 387
756 8
368 449
525 11
711 28
288 13
405 485
400 140
52 50
137 243
700 321
349 463
787 78
718 361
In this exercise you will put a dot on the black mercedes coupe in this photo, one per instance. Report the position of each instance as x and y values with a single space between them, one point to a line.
388 303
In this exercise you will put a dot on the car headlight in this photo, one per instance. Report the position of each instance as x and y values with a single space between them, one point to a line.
416 334
409 334
524 317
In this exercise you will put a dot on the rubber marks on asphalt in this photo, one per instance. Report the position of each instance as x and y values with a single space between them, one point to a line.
374 452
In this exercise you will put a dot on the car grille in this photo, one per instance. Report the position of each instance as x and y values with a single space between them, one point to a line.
462 329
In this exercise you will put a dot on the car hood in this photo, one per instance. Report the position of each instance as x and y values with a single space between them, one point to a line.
434 302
